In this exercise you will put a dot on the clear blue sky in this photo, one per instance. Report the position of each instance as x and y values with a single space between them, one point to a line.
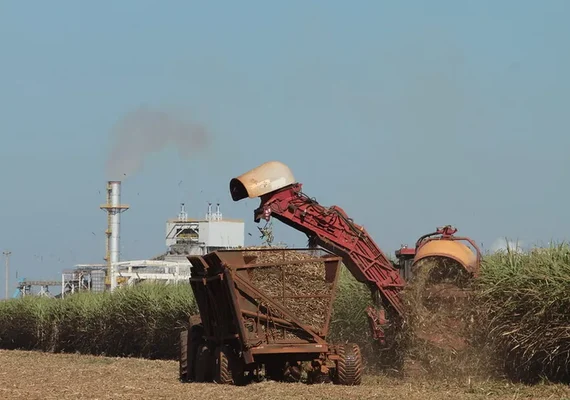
409 115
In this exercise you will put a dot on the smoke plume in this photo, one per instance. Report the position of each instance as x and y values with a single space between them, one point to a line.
145 131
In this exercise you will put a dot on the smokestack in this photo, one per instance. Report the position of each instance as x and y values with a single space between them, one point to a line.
114 209
115 230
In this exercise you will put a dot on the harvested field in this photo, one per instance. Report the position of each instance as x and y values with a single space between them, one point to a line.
45 376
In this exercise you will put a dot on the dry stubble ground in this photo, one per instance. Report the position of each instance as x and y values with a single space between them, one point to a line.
35 375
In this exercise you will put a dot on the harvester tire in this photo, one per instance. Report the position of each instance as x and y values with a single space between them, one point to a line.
183 357
204 364
229 367
349 365
223 372
194 340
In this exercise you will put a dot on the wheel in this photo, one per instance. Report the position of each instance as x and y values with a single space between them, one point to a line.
194 341
203 369
229 367
223 373
349 366
293 371
183 356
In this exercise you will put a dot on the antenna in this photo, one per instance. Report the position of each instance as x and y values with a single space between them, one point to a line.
7 257
183 215
209 214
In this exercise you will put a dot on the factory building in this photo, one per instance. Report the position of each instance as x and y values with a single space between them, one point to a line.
184 236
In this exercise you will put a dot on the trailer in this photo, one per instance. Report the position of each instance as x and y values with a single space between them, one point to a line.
265 311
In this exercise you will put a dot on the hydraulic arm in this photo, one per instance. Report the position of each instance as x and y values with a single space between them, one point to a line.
331 229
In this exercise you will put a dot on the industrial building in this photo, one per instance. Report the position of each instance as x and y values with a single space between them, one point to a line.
184 236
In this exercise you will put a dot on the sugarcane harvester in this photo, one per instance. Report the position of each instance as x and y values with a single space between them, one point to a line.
262 309
330 228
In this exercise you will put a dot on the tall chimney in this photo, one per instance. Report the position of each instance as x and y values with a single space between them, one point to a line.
114 209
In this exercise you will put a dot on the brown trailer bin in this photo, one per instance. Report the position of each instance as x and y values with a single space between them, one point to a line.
265 310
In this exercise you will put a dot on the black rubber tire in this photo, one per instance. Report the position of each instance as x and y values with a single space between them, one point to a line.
203 368
349 366
194 342
183 357
229 367
223 373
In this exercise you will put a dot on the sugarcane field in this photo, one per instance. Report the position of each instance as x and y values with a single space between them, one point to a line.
87 338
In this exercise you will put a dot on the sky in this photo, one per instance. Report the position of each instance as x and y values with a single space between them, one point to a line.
409 115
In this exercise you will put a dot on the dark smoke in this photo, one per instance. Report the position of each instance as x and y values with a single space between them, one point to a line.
144 131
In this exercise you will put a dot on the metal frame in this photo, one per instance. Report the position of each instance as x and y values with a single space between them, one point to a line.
331 228
24 288
234 310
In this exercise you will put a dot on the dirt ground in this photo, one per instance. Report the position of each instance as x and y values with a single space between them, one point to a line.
34 375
